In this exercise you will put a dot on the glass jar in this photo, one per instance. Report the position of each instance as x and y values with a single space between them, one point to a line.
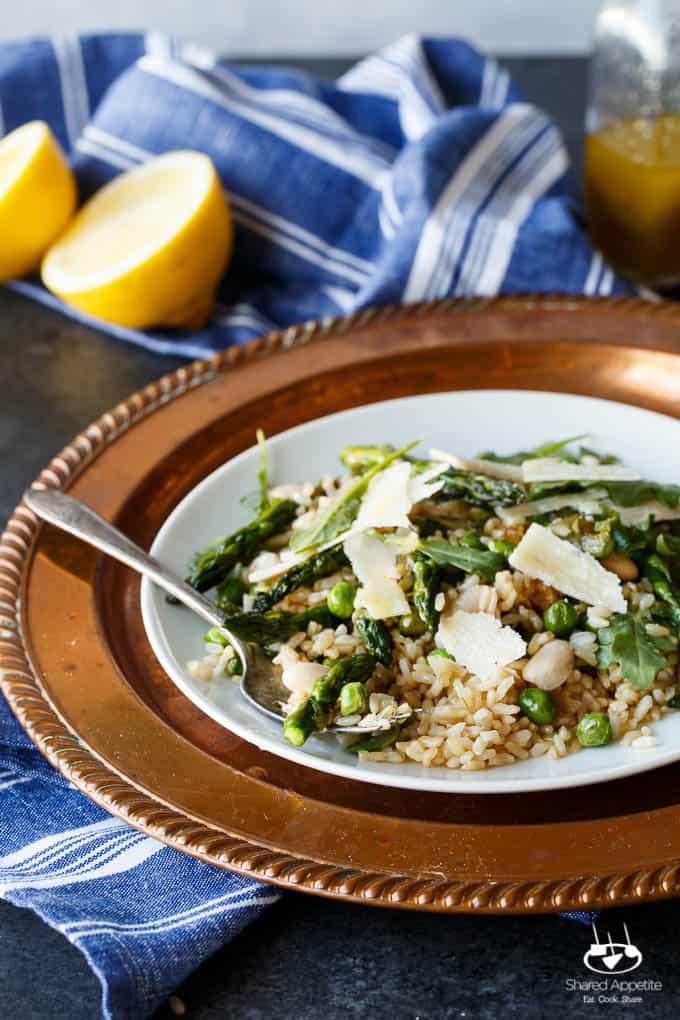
632 157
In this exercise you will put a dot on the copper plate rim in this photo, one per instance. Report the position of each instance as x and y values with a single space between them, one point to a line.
61 746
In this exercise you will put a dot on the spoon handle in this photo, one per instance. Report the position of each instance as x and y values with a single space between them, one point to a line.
71 515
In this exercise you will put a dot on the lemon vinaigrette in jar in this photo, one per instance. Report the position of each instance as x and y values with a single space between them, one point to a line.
632 152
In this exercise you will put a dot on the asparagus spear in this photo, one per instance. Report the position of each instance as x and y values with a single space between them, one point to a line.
276 625
319 565
211 566
312 715
426 578
376 637
480 490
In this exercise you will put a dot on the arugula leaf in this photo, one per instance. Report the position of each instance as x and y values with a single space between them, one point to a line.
626 641
263 473
545 450
634 493
473 561
339 516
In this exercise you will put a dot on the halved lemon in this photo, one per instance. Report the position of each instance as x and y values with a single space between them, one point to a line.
149 248
37 197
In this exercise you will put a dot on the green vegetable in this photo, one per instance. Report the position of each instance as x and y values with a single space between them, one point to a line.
479 490
594 730
667 545
211 566
545 450
426 579
625 640
235 666
341 599
308 718
351 669
599 542
629 540
230 594
537 705
359 458
318 565
216 637
411 625
263 473
376 637
658 574
604 458
277 624
376 741
561 618
497 545
473 561
673 702
442 653
634 493
339 516
471 540
353 699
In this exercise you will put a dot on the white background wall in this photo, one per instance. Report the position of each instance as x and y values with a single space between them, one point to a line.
318 27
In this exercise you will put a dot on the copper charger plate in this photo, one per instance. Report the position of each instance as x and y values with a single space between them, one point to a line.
82 679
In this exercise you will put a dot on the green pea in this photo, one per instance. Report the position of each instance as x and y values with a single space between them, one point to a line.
411 625
234 666
594 730
537 705
341 599
471 540
497 545
353 699
560 618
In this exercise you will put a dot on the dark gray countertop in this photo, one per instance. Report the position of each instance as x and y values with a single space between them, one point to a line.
306 957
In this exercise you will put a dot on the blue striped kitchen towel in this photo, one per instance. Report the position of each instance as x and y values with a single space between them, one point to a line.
420 173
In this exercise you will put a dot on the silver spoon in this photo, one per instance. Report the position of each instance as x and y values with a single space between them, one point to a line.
260 683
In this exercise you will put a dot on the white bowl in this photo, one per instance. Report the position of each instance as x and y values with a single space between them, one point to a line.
464 422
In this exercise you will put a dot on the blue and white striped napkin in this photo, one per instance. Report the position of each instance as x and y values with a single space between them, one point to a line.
418 174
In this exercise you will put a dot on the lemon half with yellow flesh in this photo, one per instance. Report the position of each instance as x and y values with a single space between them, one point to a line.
37 197
149 248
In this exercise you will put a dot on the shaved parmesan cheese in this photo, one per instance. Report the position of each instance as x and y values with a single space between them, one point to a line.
584 502
542 555
387 502
425 484
297 675
375 564
638 514
510 472
552 469
479 641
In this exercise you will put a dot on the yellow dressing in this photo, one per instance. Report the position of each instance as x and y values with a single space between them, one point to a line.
632 177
